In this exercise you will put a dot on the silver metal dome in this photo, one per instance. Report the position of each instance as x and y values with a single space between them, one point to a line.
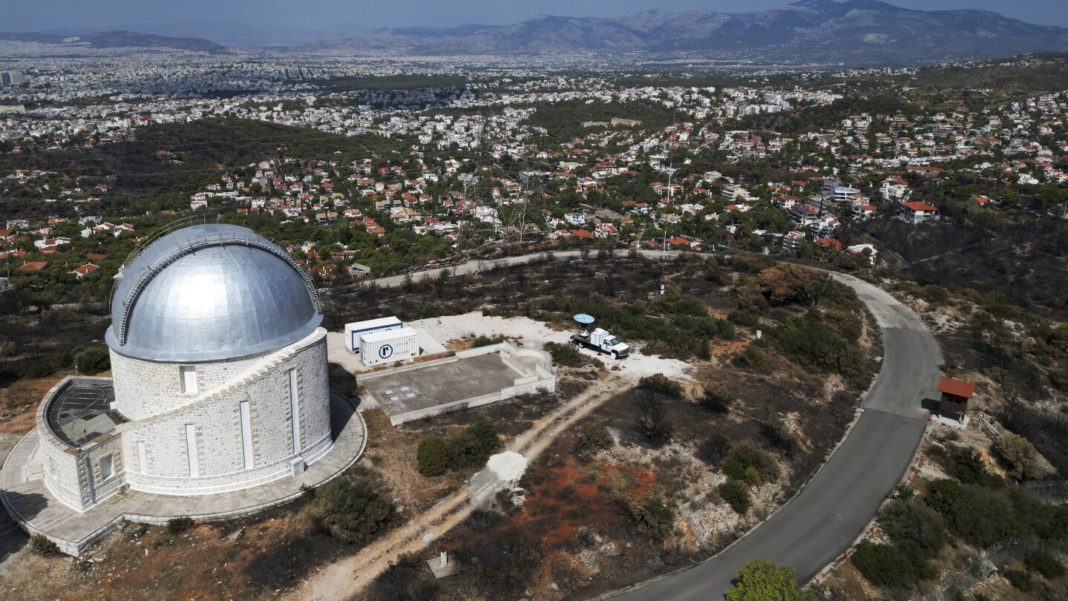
208 293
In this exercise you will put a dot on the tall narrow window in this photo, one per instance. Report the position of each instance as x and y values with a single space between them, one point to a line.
106 467
294 409
191 450
90 481
246 434
142 457
189 379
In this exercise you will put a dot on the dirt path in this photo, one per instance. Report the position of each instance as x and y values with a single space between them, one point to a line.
345 578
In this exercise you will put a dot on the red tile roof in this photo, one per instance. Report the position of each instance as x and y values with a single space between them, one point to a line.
956 387
921 206
86 269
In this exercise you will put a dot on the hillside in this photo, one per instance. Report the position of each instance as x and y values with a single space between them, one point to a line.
118 39
825 31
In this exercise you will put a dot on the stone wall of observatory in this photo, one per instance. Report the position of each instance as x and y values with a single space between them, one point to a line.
146 388
227 454
64 473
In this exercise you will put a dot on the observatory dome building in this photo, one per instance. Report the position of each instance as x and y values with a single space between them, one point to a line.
219 376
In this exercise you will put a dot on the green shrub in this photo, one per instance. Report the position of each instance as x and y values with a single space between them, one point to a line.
352 508
744 318
1044 563
473 445
179 524
979 515
652 517
1019 456
565 355
935 293
715 398
747 461
47 365
595 436
736 494
433 456
780 436
762 580
470 447
916 529
794 284
41 545
688 305
660 384
753 358
967 466
884 565
1019 579
92 360
813 343
486 341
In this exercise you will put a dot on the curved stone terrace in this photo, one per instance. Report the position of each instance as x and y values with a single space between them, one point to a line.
80 411
29 502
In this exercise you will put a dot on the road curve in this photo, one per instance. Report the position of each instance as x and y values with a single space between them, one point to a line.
833 509
829 514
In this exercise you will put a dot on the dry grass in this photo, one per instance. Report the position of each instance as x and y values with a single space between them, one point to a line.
19 400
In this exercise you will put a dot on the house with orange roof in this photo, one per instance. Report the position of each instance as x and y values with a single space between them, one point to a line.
918 212
829 242
86 270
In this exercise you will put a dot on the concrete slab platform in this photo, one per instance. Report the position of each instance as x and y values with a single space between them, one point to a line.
442 571
33 507
420 389
470 378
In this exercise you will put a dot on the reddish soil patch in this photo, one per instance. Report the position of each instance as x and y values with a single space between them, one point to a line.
19 400
567 495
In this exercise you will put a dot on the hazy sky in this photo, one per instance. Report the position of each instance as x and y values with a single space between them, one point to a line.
328 16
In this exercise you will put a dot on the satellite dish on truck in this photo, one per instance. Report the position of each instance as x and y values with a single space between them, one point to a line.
584 319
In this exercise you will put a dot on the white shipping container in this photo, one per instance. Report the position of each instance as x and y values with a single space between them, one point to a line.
354 330
387 346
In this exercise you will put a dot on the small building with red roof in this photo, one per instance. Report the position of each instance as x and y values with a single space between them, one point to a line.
918 212
86 270
955 396
830 243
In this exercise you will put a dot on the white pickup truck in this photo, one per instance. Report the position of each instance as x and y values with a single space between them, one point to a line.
602 341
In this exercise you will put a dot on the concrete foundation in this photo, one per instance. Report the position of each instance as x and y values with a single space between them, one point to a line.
470 378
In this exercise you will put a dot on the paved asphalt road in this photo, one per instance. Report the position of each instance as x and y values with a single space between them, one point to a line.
832 511
815 527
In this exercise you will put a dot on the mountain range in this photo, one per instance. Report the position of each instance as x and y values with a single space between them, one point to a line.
852 32
808 31
117 39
